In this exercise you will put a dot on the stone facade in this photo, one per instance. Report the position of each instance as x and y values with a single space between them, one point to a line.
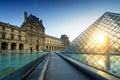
29 37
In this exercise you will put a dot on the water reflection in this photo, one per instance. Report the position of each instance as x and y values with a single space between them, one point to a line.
10 62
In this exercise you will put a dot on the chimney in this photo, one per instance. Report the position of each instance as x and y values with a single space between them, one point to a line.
25 16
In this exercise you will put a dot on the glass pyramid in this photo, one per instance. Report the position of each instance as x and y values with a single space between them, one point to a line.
102 37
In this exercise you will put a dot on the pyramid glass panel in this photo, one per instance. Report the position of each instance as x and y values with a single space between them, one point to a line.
102 37
99 44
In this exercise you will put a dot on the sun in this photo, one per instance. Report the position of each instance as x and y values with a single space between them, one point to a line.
100 38
101 63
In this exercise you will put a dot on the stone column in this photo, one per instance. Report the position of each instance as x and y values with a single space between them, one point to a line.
17 47
9 47
24 47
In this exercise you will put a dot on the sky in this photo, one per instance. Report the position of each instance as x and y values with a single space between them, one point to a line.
70 17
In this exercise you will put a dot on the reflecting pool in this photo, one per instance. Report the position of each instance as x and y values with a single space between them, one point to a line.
11 62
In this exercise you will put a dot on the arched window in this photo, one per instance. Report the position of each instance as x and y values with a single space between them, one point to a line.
21 46
13 46
4 46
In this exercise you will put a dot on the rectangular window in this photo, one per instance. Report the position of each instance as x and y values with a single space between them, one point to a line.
19 31
19 37
37 39
31 27
37 30
12 36
30 39
26 38
3 28
12 30
3 36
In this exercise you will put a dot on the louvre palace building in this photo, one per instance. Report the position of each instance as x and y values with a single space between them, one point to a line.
30 36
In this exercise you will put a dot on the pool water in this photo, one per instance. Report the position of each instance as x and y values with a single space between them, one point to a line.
11 62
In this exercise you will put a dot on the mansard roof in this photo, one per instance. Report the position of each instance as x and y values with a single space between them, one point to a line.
9 25
31 19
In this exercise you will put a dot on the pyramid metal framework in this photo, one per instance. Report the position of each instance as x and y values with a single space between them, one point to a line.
102 37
